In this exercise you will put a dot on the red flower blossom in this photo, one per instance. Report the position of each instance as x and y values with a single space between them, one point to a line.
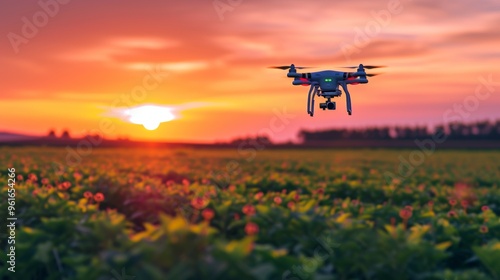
278 200
452 202
232 188
249 210
485 208
430 203
320 191
32 177
64 186
199 203
259 195
170 183
409 207
483 229
297 197
77 175
98 197
291 205
405 213
87 194
251 228
45 181
208 214
464 203
236 217
452 214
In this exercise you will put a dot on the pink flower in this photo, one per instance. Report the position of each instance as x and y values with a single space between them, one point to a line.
278 200
199 203
170 183
208 214
98 197
483 229
485 208
87 194
405 213
32 177
259 195
64 186
77 175
249 210
251 228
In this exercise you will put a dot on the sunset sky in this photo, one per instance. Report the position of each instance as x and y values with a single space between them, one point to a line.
77 64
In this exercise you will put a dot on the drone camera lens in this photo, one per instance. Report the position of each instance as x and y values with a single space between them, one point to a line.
331 106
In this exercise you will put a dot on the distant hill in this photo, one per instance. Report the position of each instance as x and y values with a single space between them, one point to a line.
10 137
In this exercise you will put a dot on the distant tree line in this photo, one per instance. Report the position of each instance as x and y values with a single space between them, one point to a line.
64 134
482 130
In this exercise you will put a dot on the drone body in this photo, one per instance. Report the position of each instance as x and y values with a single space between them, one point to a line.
326 84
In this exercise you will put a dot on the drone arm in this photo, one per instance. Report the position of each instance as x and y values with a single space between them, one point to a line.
294 75
348 97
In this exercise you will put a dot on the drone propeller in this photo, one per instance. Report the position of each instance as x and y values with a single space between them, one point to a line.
288 67
366 66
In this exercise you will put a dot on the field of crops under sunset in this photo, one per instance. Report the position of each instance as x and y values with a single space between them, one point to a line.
270 214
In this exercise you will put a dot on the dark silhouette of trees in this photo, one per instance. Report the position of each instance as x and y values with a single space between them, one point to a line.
258 141
481 130
65 134
52 134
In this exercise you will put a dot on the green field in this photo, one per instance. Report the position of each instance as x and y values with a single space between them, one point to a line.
229 214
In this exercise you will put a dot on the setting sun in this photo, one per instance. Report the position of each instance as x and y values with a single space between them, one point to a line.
150 116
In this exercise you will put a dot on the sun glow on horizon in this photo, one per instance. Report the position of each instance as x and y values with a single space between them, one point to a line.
150 116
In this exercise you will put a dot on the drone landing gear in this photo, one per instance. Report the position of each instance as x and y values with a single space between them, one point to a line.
313 91
347 97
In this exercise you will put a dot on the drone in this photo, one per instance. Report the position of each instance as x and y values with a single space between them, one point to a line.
326 84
